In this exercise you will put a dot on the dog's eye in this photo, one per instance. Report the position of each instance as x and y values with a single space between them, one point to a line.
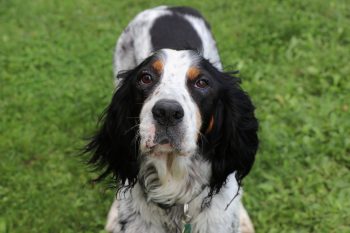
201 83
146 78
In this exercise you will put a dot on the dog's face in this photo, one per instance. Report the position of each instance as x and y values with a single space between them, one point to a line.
174 88
175 104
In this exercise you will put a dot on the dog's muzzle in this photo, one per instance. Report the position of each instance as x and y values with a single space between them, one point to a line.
168 115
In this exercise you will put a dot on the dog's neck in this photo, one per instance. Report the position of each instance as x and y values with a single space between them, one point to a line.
176 184
174 215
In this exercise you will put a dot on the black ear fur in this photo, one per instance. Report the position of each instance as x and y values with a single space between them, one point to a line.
235 139
114 147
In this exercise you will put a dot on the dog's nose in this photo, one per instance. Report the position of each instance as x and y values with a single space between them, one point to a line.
167 112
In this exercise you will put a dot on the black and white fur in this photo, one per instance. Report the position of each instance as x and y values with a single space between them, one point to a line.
166 61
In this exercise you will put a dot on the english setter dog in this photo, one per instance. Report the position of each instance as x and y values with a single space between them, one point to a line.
179 134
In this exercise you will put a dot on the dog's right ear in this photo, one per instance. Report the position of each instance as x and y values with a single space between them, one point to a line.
114 147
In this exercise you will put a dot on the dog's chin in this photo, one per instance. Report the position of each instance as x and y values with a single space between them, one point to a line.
161 149
163 142
164 150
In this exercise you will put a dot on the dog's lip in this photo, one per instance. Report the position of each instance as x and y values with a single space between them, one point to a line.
159 150
166 146
164 141
150 144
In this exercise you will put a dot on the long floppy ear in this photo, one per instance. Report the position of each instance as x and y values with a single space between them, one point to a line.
235 139
114 147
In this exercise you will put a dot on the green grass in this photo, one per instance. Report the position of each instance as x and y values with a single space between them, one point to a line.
56 78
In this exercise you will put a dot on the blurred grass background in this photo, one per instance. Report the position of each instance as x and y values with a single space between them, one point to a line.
56 78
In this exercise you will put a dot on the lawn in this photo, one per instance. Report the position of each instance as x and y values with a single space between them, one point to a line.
56 79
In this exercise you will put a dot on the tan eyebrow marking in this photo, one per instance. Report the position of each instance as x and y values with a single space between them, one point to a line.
158 66
211 125
193 73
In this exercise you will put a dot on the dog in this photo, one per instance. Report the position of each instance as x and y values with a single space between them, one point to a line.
179 134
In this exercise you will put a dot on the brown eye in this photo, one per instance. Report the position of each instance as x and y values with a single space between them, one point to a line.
146 79
201 83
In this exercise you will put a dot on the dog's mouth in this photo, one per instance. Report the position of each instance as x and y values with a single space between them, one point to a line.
165 141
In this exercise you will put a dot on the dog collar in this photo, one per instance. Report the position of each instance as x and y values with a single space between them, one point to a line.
186 218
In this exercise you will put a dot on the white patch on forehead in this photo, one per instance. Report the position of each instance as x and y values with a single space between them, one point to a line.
175 68
173 80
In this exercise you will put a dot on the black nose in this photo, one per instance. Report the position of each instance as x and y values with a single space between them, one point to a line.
167 112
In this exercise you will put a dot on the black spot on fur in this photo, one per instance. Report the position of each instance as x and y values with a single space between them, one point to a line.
183 10
122 224
174 32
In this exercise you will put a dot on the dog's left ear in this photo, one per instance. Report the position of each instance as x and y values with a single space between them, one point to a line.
236 141
114 147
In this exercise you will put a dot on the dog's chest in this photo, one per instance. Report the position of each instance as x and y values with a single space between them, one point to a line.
135 216
174 219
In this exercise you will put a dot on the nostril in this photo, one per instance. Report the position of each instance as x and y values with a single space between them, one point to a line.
158 112
179 114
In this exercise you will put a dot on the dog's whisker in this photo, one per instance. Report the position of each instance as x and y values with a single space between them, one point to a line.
131 128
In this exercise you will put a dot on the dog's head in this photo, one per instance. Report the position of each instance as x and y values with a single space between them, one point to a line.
176 104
